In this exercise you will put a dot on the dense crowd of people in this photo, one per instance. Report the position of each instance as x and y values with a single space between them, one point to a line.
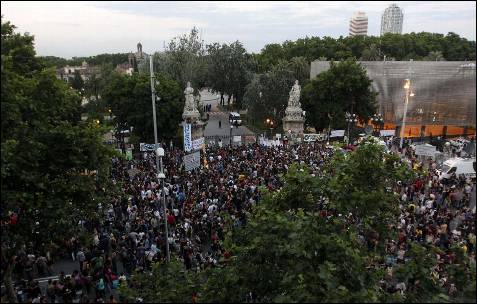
131 237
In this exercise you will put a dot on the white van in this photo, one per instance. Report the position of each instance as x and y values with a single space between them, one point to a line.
235 119
458 166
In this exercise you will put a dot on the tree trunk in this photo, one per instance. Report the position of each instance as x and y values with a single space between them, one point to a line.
9 283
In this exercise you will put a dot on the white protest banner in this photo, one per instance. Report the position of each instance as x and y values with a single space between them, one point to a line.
387 132
425 150
237 138
313 137
187 138
337 133
198 143
192 161
143 147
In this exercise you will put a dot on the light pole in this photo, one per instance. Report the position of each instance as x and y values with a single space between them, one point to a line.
420 113
409 93
350 118
329 129
159 153
231 128
269 123
377 120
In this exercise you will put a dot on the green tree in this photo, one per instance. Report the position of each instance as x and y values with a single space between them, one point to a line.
93 86
229 69
101 59
53 61
77 82
47 155
171 284
129 98
345 87
435 56
371 54
416 274
269 56
184 60
370 198
275 86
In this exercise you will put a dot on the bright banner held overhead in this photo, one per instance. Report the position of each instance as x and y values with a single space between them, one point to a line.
143 147
387 132
187 138
337 133
198 143
425 150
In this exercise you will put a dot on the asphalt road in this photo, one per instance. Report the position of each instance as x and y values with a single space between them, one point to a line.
212 129
68 266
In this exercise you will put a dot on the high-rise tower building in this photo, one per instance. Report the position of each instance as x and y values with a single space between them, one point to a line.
391 21
358 25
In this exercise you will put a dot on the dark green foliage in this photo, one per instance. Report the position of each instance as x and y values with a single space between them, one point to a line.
184 60
77 83
47 154
129 98
345 87
229 69
114 59
394 46
275 86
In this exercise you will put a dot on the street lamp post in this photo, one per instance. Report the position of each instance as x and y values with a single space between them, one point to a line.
409 93
350 118
269 123
377 120
231 128
159 153
420 113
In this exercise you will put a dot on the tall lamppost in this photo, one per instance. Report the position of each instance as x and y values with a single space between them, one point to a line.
420 112
378 121
350 119
159 154
409 93
269 124
231 128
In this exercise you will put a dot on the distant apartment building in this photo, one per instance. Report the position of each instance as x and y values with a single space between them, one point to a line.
358 25
391 21
67 73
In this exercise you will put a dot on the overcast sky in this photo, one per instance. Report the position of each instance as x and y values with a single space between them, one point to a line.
69 29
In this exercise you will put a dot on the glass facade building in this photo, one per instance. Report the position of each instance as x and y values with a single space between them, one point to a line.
391 21
444 101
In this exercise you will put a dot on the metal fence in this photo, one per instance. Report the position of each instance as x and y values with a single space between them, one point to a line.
244 140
